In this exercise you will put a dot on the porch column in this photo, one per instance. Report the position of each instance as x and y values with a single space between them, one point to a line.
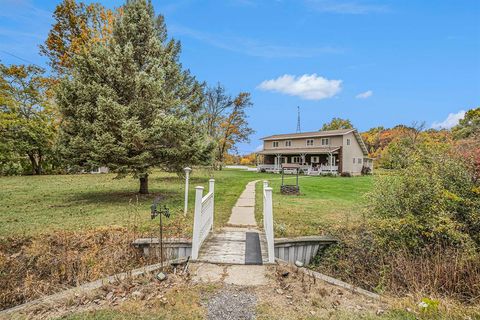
279 161
302 156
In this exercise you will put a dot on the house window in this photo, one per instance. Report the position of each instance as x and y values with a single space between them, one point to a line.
275 144
359 160
325 141
309 142
295 159
288 143
353 160
315 159
348 142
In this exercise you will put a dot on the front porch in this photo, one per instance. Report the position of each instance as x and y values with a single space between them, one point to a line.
310 164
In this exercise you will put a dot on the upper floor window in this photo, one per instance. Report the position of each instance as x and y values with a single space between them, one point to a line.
275 144
288 143
325 141
359 160
353 160
309 142
348 142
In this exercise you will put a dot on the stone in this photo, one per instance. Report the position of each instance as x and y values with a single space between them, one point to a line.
161 276
299 264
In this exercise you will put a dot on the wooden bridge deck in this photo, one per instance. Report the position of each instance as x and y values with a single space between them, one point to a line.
228 246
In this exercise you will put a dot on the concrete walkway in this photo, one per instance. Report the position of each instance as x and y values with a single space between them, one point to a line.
243 213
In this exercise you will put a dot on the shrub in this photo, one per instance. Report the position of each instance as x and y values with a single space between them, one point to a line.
422 234
366 170
345 174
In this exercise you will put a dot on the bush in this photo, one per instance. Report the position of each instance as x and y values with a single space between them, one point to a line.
422 234
366 170
345 174
430 201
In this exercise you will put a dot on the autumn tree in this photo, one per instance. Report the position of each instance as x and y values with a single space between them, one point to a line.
128 103
248 159
217 103
372 140
469 125
337 124
226 120
234 129
77 27
27 121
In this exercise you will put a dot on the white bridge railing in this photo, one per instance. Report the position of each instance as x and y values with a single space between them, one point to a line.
203 216
268 221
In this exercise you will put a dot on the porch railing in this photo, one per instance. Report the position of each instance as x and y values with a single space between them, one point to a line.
308 169
203 216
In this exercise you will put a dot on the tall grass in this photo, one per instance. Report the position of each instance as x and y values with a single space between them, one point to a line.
439 271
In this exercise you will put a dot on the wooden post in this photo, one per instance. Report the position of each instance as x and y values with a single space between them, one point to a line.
187 177
197 223
268 217
211 188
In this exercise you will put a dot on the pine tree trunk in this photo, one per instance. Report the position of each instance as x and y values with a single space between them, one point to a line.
144 184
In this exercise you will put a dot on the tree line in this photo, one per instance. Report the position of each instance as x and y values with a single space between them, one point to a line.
116 95
392 147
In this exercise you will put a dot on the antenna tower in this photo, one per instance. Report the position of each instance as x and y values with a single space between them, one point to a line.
298 120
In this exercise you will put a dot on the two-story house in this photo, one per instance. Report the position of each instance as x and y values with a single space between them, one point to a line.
317 152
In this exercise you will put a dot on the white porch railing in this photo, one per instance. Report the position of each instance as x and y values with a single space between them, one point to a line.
268 221
203 216
322 169
267 168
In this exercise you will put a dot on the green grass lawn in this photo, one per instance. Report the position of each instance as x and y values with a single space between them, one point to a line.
323 202
41 204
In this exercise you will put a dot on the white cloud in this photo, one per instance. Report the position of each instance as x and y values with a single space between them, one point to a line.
364 95
307 86
451 121
259 148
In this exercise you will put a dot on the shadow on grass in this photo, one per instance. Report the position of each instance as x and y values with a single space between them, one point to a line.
109 197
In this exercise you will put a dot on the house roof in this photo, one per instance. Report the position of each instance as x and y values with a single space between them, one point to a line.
309 150
309 134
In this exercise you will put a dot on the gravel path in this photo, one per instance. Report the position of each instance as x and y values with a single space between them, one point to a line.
232 304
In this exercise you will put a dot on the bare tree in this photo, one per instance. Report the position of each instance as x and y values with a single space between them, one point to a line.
217 102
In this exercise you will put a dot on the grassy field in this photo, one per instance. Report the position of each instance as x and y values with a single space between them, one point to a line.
323 202
31 205
41 204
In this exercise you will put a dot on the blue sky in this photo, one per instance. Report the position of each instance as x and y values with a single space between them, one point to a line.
373 62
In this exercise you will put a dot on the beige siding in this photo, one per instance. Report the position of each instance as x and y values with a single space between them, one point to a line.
352 151
335 141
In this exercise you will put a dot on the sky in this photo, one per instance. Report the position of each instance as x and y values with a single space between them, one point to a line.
377 63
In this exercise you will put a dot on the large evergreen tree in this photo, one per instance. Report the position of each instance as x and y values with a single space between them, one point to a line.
129 105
